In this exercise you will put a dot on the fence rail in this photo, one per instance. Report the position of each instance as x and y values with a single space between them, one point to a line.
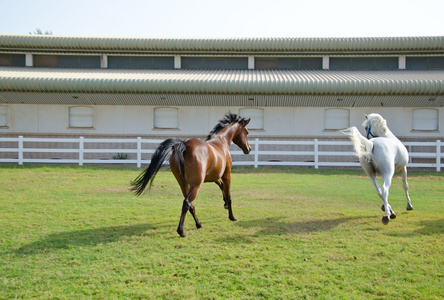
313 153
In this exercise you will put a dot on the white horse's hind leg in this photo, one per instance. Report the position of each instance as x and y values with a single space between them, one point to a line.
382 192
405 185
388 212
370 171
376 185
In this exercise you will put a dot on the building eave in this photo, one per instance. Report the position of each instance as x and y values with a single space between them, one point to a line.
233 46
223 82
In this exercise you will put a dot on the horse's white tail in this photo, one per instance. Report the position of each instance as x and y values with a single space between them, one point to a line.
363 146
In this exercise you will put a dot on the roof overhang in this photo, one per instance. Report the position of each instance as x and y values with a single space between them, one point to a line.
224 82
220 100
242 46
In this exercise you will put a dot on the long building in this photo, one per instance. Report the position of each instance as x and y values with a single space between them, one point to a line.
292 88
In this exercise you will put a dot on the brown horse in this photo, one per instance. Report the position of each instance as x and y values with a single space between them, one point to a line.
194 162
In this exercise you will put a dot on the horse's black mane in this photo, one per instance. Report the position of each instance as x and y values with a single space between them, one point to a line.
224 122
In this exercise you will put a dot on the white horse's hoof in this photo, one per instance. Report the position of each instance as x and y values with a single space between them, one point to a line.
392 213
409 207
385 220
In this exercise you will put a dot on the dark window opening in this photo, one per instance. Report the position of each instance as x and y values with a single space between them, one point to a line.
12 60
293 63
67 61
208 63
425 62
363 63
140 62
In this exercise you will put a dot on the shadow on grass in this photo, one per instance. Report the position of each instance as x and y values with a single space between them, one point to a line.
276 226
90 237
429 227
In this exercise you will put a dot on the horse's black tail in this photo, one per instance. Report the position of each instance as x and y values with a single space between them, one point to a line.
160 155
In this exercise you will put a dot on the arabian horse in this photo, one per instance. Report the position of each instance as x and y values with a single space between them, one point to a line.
195 161
381 152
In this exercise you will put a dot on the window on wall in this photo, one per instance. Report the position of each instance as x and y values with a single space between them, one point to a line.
166 118
300 63
3 116
82 117
12 60
140 62
336 118
66 61
424 62
231 63
256 115
425 119
363 63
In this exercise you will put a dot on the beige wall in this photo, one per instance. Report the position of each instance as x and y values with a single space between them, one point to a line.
111 120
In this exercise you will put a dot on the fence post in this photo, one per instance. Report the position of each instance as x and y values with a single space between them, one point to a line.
81 147
256 152
316 154
438 155
20 150
139 151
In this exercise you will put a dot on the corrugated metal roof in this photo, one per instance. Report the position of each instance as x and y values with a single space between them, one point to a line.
220 100
223 82
233 45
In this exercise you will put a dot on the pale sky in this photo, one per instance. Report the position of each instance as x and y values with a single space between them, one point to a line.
224 18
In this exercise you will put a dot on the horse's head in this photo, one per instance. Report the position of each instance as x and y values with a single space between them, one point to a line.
241 136
375 126
236 127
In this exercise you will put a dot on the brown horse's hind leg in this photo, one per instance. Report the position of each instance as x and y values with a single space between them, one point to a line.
184 187
185 207
188 206
193 213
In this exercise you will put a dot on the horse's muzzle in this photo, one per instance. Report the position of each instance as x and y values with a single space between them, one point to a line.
247 150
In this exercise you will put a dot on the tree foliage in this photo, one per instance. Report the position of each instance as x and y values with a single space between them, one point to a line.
38 31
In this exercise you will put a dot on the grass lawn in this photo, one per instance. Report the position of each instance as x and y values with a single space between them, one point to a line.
78 233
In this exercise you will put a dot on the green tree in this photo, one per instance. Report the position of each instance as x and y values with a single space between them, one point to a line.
38 31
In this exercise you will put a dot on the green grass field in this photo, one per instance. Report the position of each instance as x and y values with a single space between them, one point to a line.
78 233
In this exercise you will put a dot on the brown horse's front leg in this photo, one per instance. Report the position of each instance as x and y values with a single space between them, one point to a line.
230 211
221 186
185 207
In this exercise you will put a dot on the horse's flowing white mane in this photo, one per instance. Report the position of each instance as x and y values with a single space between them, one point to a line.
377 123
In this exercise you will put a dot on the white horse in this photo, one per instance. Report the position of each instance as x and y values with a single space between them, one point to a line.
381 152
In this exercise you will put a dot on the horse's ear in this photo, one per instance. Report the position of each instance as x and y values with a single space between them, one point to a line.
245 122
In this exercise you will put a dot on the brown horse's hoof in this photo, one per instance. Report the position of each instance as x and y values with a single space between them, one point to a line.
199 226
180 232
385 220
233 219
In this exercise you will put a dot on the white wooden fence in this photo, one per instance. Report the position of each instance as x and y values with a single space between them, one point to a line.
313 153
